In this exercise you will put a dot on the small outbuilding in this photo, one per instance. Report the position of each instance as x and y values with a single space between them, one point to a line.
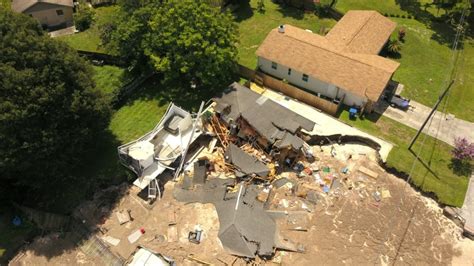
49 13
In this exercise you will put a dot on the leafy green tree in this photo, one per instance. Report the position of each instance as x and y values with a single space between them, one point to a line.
50 111
84 18
191 43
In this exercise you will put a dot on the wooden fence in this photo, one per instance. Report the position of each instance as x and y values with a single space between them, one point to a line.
290 90
105 58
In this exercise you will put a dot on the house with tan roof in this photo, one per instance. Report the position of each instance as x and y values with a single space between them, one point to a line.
49 13
344 65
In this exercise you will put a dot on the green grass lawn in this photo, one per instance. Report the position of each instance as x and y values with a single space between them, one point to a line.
255 26
89 39
440 179
139 115
108 78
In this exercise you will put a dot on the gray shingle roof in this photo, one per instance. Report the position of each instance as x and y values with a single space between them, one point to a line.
245 163
270 119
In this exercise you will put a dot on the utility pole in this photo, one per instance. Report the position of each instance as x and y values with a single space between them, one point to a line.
455 58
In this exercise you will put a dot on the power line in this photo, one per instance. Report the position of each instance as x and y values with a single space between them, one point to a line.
449 81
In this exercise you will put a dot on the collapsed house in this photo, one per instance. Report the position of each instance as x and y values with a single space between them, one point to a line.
244 163
245 229
257 119
159 149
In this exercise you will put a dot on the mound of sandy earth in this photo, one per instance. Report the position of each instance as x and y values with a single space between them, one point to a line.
405 228
346 226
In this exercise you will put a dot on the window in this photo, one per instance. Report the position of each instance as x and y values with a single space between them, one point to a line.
274 65
59 12
289 71
305 77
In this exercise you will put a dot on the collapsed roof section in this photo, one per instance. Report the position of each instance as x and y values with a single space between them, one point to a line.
245 163
271 120
156 151
246 229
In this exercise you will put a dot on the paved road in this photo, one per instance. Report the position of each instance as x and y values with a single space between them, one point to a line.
449 127
468 206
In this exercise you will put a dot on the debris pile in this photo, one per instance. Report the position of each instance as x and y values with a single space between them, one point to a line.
263 178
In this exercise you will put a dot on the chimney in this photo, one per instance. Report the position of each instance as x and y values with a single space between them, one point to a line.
281 28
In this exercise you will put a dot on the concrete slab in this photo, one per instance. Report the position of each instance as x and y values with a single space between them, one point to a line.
63 32
325 124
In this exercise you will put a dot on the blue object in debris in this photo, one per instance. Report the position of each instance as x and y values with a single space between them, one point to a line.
352 112
345 170
326 189
16 221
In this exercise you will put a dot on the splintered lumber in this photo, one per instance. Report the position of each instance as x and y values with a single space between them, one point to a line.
368 172
220 130
193 258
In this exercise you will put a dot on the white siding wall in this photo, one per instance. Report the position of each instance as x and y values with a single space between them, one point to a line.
313 84
46 14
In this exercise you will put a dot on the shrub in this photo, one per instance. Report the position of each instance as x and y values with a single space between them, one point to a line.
401 34
260 6
403 16
84 18
409 16
385 14
397 15
394 46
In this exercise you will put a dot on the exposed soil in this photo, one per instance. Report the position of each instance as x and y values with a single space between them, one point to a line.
346 226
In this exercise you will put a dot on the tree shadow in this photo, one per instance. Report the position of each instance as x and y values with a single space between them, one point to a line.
289 11
61 213
460 167
244 12
444 31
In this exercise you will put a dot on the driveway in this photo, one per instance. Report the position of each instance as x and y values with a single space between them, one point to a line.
449 126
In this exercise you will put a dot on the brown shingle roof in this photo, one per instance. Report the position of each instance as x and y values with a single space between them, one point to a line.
361 31
365 75
22 5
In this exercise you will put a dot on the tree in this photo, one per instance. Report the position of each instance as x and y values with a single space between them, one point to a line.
191 43
322 7
463 149
50 111
84 18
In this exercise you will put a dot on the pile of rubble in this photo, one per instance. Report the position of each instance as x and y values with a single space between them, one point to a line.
261 175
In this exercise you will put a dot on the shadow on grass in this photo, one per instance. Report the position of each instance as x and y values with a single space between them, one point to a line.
444 30
460 168
189 99
244 12
289 11
344 110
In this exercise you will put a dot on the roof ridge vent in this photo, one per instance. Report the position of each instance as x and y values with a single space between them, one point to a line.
281 28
